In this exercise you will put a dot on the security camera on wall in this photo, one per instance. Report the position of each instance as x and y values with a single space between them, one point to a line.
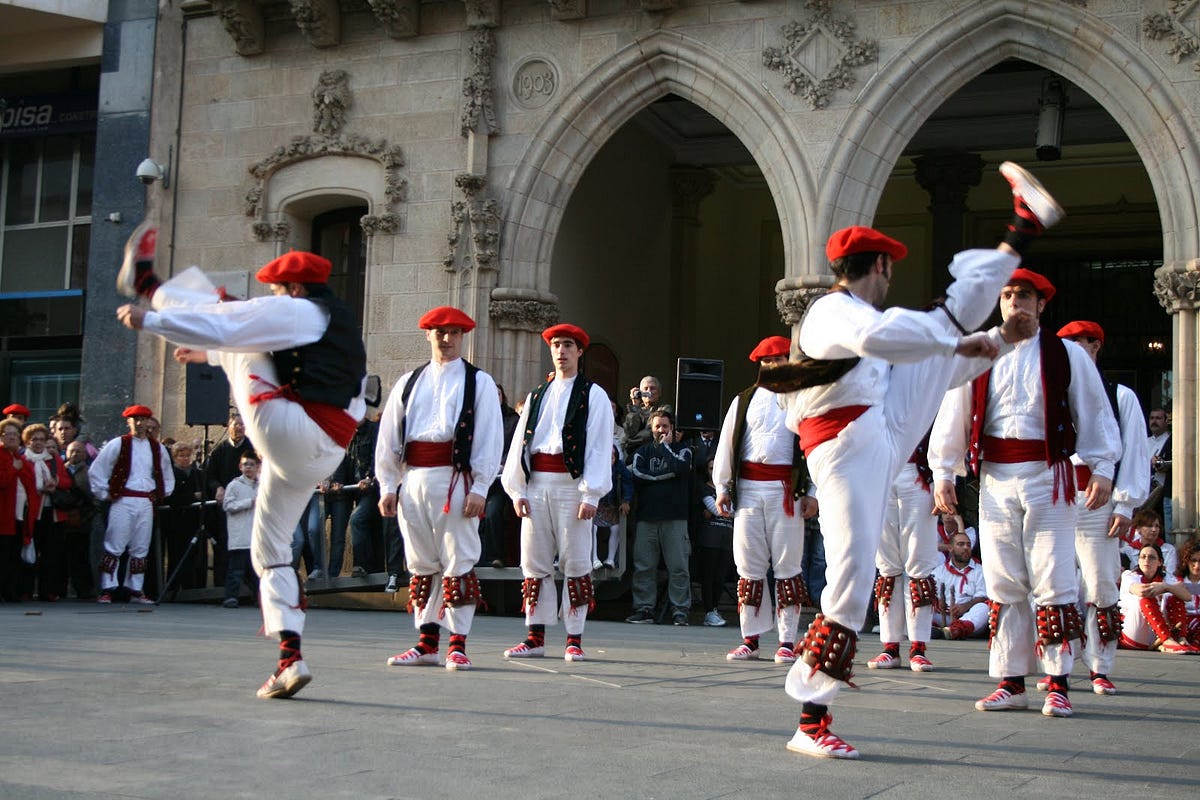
149 171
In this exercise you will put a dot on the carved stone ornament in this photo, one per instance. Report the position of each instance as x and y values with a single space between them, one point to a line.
319 20
401 19
243 21
568 9
793 304
272 231
373 224
331 100
482 13
1181 25
522 310
1177 287
689 185
479 110
475 218
817 56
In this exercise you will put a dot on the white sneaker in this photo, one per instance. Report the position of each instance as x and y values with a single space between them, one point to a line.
139 249
392 586
457 660
524 651
1103 686
826 745
597 565
919 663
413 657
1057 705
287 682
713 619
1002 700
742 652
609 564
1030 193
884 660
316 575
574 653
785 655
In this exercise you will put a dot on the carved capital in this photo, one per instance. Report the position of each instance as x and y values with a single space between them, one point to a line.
482 13
319 20
793 296
401 19
479 110
373 224
522 310
568 9
947 177
243 21
689 185
1177 286
272 231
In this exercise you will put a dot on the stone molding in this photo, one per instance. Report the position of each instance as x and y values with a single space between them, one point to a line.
792 302
401 19
331 101
243 21
522 309
817 55
568 9
373 224
1177 286
272 231
475 218
319 20
482 13
479 108
1184 38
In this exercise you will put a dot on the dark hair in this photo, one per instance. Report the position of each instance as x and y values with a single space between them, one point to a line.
854 266
1147 517
1186 551
250 455
662 412
1161 569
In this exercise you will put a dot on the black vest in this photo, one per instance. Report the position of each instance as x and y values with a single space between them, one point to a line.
574 432
331 369
464 429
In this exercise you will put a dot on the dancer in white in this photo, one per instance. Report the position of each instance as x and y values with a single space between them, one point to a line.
558 467
863 407
756 471
439 445
1020 423
297 368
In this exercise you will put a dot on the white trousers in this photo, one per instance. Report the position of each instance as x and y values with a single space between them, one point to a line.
1099 559
1028 546
130 525
766 538
854 471
908 546
438 542
296 454
553 528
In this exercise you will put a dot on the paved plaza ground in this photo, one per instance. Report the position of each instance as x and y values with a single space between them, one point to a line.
125 702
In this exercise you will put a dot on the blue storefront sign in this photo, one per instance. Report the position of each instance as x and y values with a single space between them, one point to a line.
22 117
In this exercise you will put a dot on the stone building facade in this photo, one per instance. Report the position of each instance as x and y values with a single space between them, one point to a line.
664 172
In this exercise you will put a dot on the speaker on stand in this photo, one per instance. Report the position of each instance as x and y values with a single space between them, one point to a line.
699 383
207 398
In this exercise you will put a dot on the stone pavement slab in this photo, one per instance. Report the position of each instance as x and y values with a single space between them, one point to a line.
116 702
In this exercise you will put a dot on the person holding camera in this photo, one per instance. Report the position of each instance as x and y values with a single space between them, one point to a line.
644 401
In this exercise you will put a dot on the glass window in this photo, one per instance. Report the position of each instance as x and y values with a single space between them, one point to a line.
21 200
338 236
44 383
34 259
81 241
58 161
87 168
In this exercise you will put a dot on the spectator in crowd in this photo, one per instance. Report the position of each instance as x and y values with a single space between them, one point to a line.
50 536
813 569
67 426
222 468
18 412
950 525
644 399
367 548
613 507
499 518
134 472
182 517
308 541
1159 442
1154 607
662 477
1148 529
340 490
1189 576
241 495
961 608
714 551
20 505
78 506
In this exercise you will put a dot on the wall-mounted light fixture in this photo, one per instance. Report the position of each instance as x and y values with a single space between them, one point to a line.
1053 113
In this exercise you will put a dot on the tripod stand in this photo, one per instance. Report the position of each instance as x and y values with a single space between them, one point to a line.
202 534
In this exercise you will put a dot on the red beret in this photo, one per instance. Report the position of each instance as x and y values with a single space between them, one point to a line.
861 239
446 317
772 346
1044 287
296 266
1081 327
568 330
137 411
16 408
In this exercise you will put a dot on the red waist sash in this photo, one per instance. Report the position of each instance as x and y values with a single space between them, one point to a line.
132 493
1012 451
1083 475
547 462
815 431
753 471
339 425
428 454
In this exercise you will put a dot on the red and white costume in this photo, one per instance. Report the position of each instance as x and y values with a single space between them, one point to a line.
297 452
553 526
889 397
768 529
1137 633
131 515
960 585
1026 526
908 547
439 542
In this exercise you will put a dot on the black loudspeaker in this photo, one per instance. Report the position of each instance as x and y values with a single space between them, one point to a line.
207 399
698 386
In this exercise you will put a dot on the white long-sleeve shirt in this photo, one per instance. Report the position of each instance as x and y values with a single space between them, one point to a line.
596 480
1016 410
1132 481
239 500
141 468
431 415
765 437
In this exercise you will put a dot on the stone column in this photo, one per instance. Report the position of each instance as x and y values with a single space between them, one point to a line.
518 317
947 177
1177 286
689 185
793 296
